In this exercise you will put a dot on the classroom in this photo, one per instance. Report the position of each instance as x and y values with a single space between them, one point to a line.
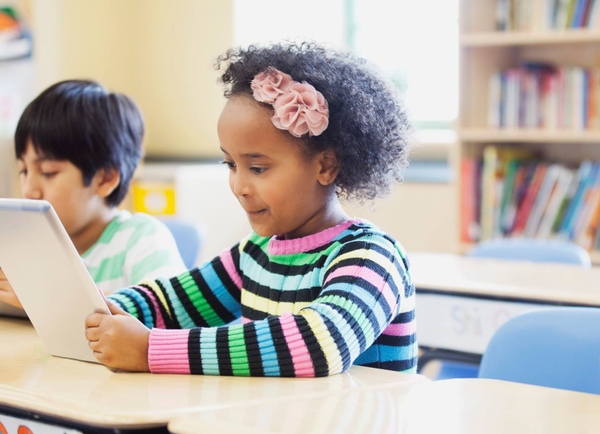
271 216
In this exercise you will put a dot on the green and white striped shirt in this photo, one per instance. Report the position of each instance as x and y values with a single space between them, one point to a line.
132 248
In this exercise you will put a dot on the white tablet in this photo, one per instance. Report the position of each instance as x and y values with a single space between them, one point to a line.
48 276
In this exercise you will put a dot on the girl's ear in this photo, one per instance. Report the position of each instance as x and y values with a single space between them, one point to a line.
328 167
107 180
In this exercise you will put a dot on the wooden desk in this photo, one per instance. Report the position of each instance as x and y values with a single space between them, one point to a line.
469 406
85 394
462 301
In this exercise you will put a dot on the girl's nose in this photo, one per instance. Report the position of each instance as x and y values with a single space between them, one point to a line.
240 185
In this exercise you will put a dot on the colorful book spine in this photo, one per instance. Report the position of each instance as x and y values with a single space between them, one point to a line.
488 191
468 199
542 96
543 15
508 193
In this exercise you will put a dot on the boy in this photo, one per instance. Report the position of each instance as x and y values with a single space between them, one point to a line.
78 145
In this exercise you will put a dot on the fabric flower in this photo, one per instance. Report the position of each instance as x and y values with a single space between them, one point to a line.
300 110
270 84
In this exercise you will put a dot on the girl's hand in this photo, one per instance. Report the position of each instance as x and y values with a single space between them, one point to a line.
119 341
7 294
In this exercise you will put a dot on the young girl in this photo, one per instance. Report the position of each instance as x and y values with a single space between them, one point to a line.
316 290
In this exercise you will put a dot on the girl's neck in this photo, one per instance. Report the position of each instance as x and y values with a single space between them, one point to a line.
90 234
330 215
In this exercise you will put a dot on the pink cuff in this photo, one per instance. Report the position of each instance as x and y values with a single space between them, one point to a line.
168 351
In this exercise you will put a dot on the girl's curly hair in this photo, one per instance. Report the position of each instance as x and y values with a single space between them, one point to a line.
368 126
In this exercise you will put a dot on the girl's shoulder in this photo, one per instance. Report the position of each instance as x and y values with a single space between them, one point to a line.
362 229
364 235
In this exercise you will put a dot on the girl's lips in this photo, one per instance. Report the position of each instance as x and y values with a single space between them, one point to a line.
255 212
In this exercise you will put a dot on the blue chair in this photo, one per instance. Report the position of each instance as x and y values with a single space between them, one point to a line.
522 249
556 347
188 239
534 250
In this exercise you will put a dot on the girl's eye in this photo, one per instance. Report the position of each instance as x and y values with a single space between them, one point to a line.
49 174
23 172
258 170
229 164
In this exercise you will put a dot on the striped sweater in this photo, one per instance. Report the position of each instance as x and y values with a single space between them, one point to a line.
310 306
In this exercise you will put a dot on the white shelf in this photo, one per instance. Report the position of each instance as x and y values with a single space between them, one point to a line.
509 39
528 136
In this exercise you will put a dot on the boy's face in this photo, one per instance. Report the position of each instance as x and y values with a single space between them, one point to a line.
60 182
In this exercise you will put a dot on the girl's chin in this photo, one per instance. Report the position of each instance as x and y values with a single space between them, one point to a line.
262 231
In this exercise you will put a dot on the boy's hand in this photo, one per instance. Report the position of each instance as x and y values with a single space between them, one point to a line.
7 295
119 341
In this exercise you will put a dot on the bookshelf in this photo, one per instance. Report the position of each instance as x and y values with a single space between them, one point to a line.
514 39
484 51
563 138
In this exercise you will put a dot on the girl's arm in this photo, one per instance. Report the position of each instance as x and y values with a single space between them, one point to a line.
363 286
208 296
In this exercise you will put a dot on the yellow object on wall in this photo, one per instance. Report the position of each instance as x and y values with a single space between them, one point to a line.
155 198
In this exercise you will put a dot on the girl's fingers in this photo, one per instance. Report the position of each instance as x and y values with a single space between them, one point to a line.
92 334
94 320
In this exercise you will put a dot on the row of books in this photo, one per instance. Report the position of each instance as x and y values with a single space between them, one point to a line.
543 96
509 193
544 15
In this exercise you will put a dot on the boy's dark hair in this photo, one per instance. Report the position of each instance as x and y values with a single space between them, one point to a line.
81 122
368 125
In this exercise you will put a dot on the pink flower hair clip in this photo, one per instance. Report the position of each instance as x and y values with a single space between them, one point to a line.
299 108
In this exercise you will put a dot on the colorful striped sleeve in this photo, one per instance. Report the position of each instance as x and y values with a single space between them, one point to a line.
207 296
361 282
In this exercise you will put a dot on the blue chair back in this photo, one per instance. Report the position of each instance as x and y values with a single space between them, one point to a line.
188 239
557 347
534 250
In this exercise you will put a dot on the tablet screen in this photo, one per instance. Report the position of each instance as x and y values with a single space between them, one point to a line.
48 276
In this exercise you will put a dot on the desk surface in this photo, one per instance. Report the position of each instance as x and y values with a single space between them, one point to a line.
506 279
92 394
466 406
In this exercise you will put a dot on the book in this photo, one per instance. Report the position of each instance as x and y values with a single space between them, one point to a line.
488 191
467 197
510 175
570 14
495 101
593 16
588 213
565 178
564 206
541 201
594 226
528 202
574 207
579 218
518 189
561 14
586 14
